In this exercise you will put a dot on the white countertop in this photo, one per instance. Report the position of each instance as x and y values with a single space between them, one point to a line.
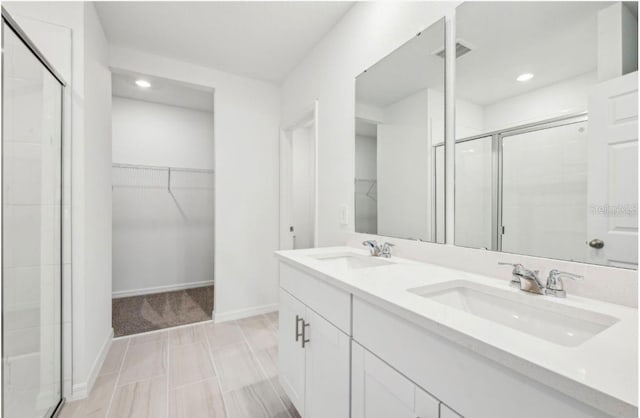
601 372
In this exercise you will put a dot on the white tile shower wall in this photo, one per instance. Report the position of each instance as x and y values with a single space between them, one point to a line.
473 193
63 30
178 249
544 202
246 161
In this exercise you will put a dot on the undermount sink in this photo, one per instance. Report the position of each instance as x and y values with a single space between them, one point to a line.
351 261
532 314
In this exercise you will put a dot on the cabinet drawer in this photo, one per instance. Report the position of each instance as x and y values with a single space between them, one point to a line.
472 384
331 303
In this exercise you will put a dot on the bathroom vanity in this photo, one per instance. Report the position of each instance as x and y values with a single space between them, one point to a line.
364 336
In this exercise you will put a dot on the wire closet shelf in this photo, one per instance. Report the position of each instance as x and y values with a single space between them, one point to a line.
367 187
137 176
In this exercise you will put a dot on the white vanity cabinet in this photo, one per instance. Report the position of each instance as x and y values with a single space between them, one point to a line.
313 352
291 355
344 355
378 391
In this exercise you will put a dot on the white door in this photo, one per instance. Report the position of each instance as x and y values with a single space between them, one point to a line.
613 172
291 355
298 182
327 361
379 391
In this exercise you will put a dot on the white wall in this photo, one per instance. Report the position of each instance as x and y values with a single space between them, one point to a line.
70 35
161 240
368 32
562 98
158 134
404 169
302 170
246 133
97 188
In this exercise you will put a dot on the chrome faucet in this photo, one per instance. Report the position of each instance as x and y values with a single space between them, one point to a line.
377 250
525 279
555 286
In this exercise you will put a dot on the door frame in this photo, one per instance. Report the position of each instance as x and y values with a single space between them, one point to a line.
307 118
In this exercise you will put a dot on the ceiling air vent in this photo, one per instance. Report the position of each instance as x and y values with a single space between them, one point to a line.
461 49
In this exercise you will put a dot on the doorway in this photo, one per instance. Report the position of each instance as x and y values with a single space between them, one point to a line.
163 203
299 182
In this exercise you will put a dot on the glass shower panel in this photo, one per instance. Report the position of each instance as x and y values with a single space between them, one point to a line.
31 275
544 192
473 194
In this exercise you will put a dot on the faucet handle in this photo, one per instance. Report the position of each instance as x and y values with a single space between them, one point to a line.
518 270
556 274
385 250
555 286
370 243
517 267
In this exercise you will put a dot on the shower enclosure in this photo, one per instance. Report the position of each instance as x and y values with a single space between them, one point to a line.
31 229
523 190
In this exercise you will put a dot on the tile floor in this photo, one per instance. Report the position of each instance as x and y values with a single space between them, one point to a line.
200 370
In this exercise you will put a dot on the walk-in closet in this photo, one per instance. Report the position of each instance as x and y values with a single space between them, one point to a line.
163 203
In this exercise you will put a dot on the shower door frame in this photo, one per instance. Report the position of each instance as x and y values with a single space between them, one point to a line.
497 138
12 25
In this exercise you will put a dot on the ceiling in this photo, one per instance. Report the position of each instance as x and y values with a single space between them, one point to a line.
411 68
553 40
263 40
162 91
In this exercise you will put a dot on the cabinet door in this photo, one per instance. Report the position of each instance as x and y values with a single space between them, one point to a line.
378 390
291 355
327 359
445 412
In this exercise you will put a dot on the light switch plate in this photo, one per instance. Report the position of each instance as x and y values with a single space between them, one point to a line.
344 215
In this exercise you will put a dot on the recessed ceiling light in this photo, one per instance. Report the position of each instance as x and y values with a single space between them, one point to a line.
143 83
525 77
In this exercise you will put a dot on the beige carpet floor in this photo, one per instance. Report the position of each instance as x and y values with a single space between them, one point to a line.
136 314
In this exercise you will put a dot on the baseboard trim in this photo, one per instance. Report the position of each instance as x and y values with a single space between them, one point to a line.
243 313
83 389
159 289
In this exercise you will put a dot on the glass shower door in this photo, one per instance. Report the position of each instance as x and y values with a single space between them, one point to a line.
544 192
31 232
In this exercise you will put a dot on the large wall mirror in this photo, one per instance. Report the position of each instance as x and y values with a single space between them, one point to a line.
546 155
399 158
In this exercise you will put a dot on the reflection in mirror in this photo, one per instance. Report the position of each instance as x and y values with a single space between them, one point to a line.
546 157
399 158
